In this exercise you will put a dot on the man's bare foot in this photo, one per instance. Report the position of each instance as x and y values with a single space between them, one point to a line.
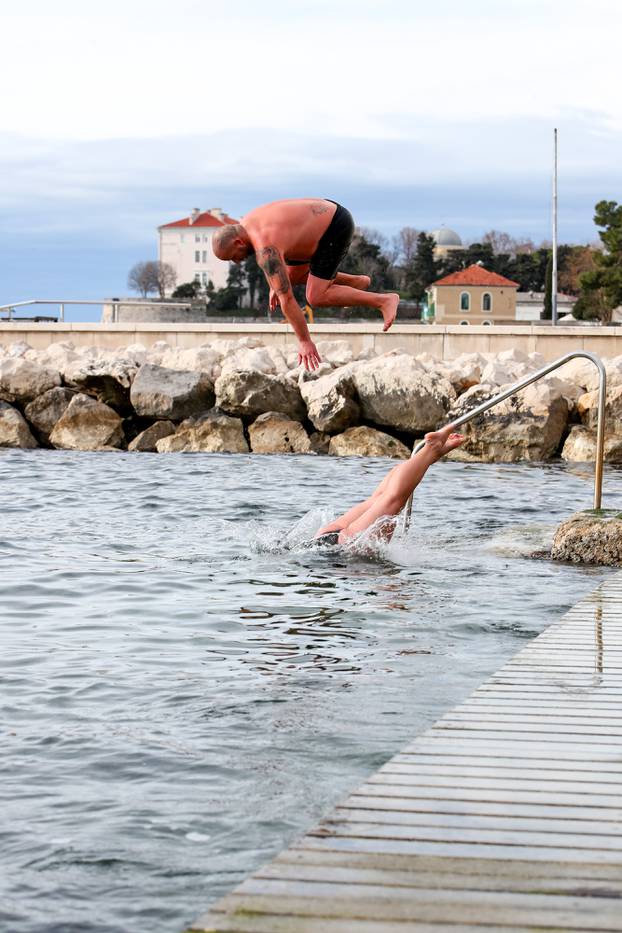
388 309
453 441
441 442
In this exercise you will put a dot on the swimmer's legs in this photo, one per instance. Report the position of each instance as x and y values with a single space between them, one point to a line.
394 491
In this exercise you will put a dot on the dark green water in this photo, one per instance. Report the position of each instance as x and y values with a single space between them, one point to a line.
179 698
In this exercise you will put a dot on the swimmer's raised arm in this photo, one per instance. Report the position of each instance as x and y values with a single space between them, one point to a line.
272 263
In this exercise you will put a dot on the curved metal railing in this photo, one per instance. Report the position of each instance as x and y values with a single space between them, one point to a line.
516 387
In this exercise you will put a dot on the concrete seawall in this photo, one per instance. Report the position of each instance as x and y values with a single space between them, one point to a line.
441 341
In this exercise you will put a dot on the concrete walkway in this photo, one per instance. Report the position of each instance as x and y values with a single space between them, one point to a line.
505 816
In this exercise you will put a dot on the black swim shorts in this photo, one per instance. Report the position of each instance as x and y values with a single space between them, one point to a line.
334 244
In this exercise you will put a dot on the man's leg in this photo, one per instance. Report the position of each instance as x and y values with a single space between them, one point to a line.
325 292
354 281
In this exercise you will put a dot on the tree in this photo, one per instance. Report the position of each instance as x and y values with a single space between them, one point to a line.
256 282
423 269
149 277
142 278
165 276
500 242
229 298
576 261
547 313
602 286
367 258
187 290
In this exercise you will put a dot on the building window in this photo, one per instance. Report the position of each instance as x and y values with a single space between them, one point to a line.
197 255
197 238
204 278
205 238
465 301
487 323
486 301
204 255
465 322
197 277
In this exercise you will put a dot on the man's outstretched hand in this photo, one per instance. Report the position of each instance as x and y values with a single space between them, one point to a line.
308 355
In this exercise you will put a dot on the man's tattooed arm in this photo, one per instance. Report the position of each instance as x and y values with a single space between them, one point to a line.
274 269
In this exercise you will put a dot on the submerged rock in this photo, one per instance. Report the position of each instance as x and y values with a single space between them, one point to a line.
87 424
591 537
145 442
170 394
275 433
213 432
367 442
45 410
14 431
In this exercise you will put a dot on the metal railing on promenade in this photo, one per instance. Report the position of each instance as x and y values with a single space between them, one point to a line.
62 302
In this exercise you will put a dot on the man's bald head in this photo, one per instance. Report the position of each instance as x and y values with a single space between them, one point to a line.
231 242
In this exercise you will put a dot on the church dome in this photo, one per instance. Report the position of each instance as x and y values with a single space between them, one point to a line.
446 237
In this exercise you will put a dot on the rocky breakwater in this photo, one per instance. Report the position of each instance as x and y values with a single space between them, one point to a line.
240 396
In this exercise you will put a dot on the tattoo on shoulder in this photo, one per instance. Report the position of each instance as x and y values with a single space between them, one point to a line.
319 209
274 269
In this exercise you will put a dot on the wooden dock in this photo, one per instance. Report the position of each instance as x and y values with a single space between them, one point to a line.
505 816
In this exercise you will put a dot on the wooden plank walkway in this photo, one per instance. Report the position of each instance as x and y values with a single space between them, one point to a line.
505 816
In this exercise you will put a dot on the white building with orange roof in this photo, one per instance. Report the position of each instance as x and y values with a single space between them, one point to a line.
473 296
186 245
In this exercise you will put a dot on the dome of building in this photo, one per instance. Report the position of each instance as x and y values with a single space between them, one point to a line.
446 237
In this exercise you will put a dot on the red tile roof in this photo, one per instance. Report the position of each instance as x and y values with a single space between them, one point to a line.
476 275
202 220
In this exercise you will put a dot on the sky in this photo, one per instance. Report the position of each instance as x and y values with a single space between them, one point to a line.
118 117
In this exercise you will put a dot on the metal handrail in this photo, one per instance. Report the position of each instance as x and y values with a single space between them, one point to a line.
516 387
61 302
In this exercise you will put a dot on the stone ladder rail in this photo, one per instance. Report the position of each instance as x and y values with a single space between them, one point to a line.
522 384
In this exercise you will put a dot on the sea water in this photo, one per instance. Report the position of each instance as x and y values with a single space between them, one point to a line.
185 686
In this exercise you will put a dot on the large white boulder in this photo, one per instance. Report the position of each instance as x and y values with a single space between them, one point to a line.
45 410
22 380
367 442
87 424
213 432
331 401
590 538
169 394
14 431
249 394
275 433
106 378
393 390
587 407
580 446
526 426
146 441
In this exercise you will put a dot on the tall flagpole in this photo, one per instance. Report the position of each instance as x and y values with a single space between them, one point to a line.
554 276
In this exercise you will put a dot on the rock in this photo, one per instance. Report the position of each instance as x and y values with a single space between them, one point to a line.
250 360
170 394
58 356
495 374
45 410
366 442
18 349
14 432
514 355
107 380
580 446
394 391
319 442
463 374
87 424
213 432
331 401
536 360
275 433
147 439
527 426
335 352
427 362
368 353
591 537
203 359
249 394
587 408
22 380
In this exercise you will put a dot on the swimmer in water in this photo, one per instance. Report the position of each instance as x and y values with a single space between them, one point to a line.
390 497
303 241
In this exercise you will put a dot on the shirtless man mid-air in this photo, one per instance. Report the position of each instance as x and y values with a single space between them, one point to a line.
303 240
